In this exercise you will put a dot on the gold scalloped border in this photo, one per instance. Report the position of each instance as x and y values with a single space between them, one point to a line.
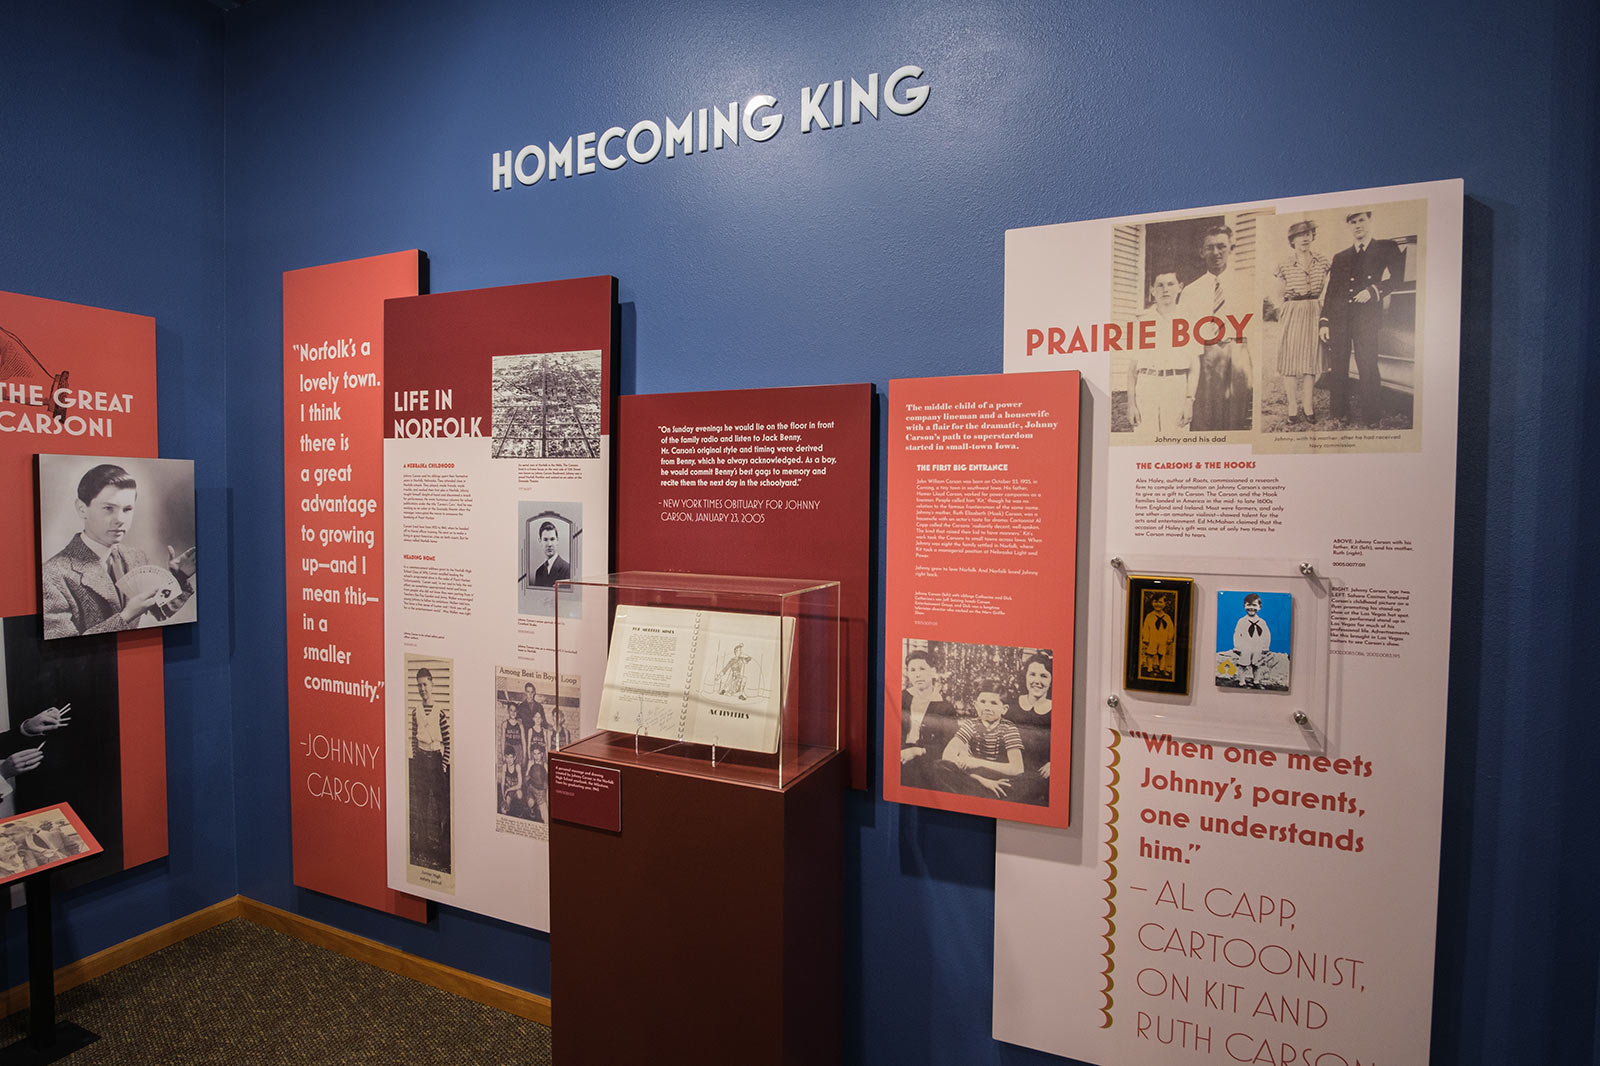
1111 878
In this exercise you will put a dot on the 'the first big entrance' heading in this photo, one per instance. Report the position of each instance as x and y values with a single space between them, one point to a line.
828 105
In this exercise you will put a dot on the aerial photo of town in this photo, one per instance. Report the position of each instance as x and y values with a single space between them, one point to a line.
546 406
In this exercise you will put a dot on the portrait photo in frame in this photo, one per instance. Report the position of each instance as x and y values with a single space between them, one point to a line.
1160 624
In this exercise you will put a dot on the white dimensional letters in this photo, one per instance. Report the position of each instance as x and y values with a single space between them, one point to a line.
825 106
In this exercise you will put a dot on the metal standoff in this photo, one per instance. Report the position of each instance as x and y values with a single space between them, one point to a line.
1113 702
1308 570
1116 561
1300 719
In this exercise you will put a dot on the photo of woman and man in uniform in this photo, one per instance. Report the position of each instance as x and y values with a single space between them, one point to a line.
975 720
102 570
1339 318
531 721
42 838
1254 638
1329 343
429 710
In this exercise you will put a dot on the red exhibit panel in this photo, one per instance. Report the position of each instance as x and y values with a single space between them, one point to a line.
475 328
978 619
82 381
758 483
333 370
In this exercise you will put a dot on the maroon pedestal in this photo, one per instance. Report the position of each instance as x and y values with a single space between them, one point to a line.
708 929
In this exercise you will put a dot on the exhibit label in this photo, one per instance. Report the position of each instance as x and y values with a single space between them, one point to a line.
827 105
333 367
586 795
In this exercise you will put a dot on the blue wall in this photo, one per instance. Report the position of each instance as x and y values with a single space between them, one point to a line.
866 252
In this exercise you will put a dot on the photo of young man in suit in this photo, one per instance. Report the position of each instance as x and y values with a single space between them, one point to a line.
549 551
554 568
83 585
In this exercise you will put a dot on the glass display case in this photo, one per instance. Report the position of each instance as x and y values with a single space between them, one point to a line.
732 678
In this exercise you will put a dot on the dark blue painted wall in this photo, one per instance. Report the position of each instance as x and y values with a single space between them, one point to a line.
867 252
111 170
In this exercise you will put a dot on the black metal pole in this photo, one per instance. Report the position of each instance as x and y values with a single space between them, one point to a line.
41 963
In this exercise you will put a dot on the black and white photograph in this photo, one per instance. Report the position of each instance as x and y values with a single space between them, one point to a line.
531 719
1340 321
429 797
546 406
116 544
549 549
1195 278
61 740
975 719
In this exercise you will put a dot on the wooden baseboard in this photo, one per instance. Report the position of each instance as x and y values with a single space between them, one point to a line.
457 982
103 962
447 979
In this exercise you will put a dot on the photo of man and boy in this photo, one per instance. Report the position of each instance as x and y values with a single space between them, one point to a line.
1198 287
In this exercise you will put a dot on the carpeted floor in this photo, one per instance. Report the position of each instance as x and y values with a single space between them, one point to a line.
246 996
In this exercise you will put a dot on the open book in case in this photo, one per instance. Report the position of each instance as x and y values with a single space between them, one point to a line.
725 677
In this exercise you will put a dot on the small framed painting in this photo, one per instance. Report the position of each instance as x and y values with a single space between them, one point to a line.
1255 636
1160 627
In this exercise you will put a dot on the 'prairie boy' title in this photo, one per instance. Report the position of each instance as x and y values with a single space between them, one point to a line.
1143 334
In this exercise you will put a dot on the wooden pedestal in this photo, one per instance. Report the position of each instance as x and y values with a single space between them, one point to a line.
709 929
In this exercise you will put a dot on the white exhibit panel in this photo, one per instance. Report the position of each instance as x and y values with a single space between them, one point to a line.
1252 869
497 461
